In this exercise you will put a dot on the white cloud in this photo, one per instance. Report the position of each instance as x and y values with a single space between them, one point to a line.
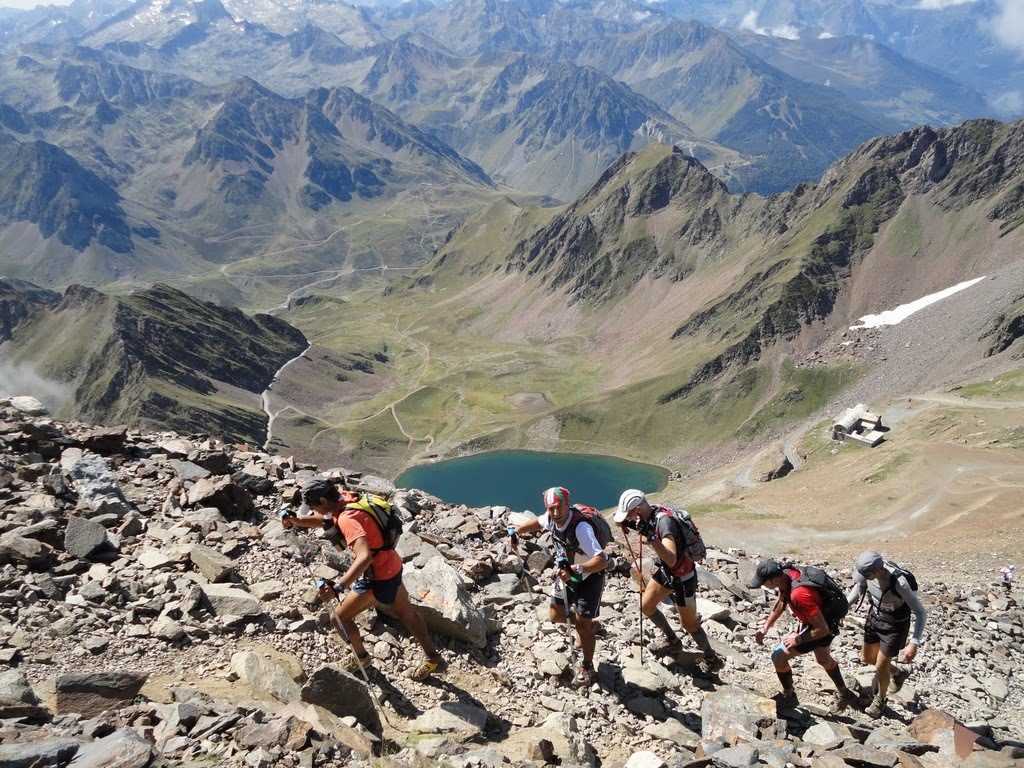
938 5
825 36
23 379
1008 24
1009 105
787 31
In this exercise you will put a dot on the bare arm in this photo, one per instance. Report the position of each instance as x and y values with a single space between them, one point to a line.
773 616
312 520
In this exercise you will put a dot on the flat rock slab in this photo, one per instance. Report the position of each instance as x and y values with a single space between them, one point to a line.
90 693
39 753
226 600
453 717
84 538
122 749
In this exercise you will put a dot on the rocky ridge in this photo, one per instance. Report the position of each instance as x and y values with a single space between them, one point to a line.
154 612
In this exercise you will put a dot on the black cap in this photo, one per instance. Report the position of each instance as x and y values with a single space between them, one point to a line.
315 489
766 569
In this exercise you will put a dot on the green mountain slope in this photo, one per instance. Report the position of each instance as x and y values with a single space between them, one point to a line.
158 357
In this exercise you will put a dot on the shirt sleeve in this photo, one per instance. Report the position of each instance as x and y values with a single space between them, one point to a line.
587 540
858 588
805 603
544 521
920 614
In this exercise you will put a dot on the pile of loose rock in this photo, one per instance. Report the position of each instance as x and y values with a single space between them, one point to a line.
154 612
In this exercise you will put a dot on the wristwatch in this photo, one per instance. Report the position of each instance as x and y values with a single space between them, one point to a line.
578 568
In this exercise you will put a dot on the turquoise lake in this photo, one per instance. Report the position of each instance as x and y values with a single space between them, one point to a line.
517 479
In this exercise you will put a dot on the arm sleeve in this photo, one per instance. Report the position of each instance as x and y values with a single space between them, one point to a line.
588 540
857 590
920 614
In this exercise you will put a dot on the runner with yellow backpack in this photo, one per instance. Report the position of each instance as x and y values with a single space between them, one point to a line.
369 527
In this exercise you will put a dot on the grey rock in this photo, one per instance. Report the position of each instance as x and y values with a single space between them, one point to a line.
644 759
225 600
17 699
858 754
28 405
123 748
211 563
270 672
342 695
38 753
15 548
439 595
98 489
734 712
457 717
738 756
166 628
229 498
90 693
84 538
186 470
646 706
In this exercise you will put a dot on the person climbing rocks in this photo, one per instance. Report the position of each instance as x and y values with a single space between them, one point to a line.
803 591
671 536
578 585
892 598
375 575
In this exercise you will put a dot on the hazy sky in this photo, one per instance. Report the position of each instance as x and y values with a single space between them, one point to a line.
26 4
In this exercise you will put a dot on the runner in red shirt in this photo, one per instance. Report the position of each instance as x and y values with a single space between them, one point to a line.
814 634
375 575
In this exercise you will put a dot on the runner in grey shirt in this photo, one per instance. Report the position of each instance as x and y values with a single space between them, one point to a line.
892 598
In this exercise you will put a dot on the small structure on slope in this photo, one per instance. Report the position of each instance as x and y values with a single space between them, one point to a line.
859 425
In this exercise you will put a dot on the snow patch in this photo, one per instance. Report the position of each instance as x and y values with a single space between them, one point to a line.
902 312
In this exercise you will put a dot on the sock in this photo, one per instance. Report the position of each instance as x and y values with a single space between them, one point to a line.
837 677
786 678
658 619
700 637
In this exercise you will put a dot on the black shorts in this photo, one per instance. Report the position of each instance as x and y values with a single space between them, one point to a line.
683 592
384 590
584 596
890 637
821 642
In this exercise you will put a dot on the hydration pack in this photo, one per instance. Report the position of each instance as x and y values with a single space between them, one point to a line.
833 598
381 512
582 513
693 543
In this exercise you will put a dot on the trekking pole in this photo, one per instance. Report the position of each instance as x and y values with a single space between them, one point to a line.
570 625
640 577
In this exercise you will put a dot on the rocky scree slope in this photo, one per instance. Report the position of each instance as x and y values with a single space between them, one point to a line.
154 612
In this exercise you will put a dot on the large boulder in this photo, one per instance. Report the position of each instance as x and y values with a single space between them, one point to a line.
270 672
90 693
211 563
99 493
84 538
342 695
124 748
227 600
15 548
933 726
733 714
17 699
441 598
228 497
38 753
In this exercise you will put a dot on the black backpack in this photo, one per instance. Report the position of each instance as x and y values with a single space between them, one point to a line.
895 571
581 513
833 598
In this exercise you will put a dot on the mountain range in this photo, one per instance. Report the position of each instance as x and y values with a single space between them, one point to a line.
685 319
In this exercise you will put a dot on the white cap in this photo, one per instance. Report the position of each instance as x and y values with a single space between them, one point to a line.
628 501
